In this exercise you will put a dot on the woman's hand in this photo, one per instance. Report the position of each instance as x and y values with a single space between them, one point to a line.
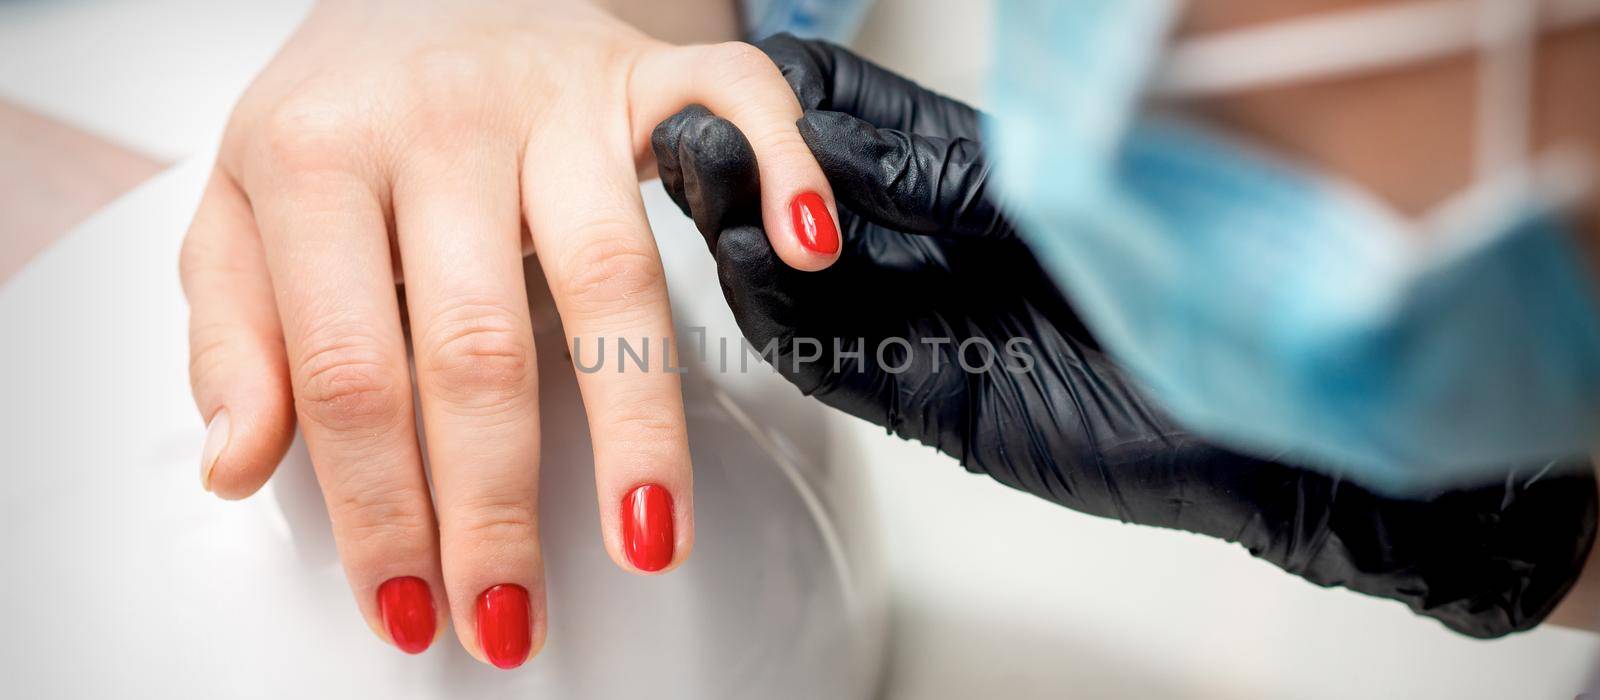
938 324
437 141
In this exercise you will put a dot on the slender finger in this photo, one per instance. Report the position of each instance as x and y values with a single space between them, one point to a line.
237 368
326 243
459 225
589 228
738 82
905 181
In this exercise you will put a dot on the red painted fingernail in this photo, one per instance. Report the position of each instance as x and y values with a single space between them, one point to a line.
407 609
813 224
647 527
504 623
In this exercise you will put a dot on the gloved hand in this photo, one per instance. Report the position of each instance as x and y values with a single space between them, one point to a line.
937 324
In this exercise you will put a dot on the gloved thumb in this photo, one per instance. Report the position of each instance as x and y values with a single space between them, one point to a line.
709 170
756 286
905 181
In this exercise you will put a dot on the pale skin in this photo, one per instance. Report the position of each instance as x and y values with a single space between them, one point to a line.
438 141
1413 157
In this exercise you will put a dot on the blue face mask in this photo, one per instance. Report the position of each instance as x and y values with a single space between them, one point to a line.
1280 309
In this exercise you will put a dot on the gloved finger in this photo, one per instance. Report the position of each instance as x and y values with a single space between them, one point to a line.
761 291
829 77
905 181
709 169
753 283
739 82
883 366
664 141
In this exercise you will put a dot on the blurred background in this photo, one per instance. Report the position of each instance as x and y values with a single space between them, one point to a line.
993 593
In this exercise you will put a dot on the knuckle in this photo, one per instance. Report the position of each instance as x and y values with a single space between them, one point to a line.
733 60
447 86
202 260
746 71
449 70
611 270
346 384
652 433
783 146
647 429
377 517
496 518
303 135
480 355
209 352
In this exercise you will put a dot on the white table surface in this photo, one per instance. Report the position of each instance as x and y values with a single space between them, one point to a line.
995 594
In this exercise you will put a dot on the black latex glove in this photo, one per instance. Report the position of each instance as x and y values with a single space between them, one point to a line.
927 256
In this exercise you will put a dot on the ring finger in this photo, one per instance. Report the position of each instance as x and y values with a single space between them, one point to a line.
325 237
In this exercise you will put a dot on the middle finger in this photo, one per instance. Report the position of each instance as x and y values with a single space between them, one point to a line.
582 203
459 228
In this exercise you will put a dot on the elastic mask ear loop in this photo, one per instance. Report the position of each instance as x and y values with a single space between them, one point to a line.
1512 181
1507 33
1325 45
1352 42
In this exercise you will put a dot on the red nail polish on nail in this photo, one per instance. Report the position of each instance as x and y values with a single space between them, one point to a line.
647 536
813 224
504 623
407 610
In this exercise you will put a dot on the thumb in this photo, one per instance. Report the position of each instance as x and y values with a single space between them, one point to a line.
769 301
758 287
905 181
237 367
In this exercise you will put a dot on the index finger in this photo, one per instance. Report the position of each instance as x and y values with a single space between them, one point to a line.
738 82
